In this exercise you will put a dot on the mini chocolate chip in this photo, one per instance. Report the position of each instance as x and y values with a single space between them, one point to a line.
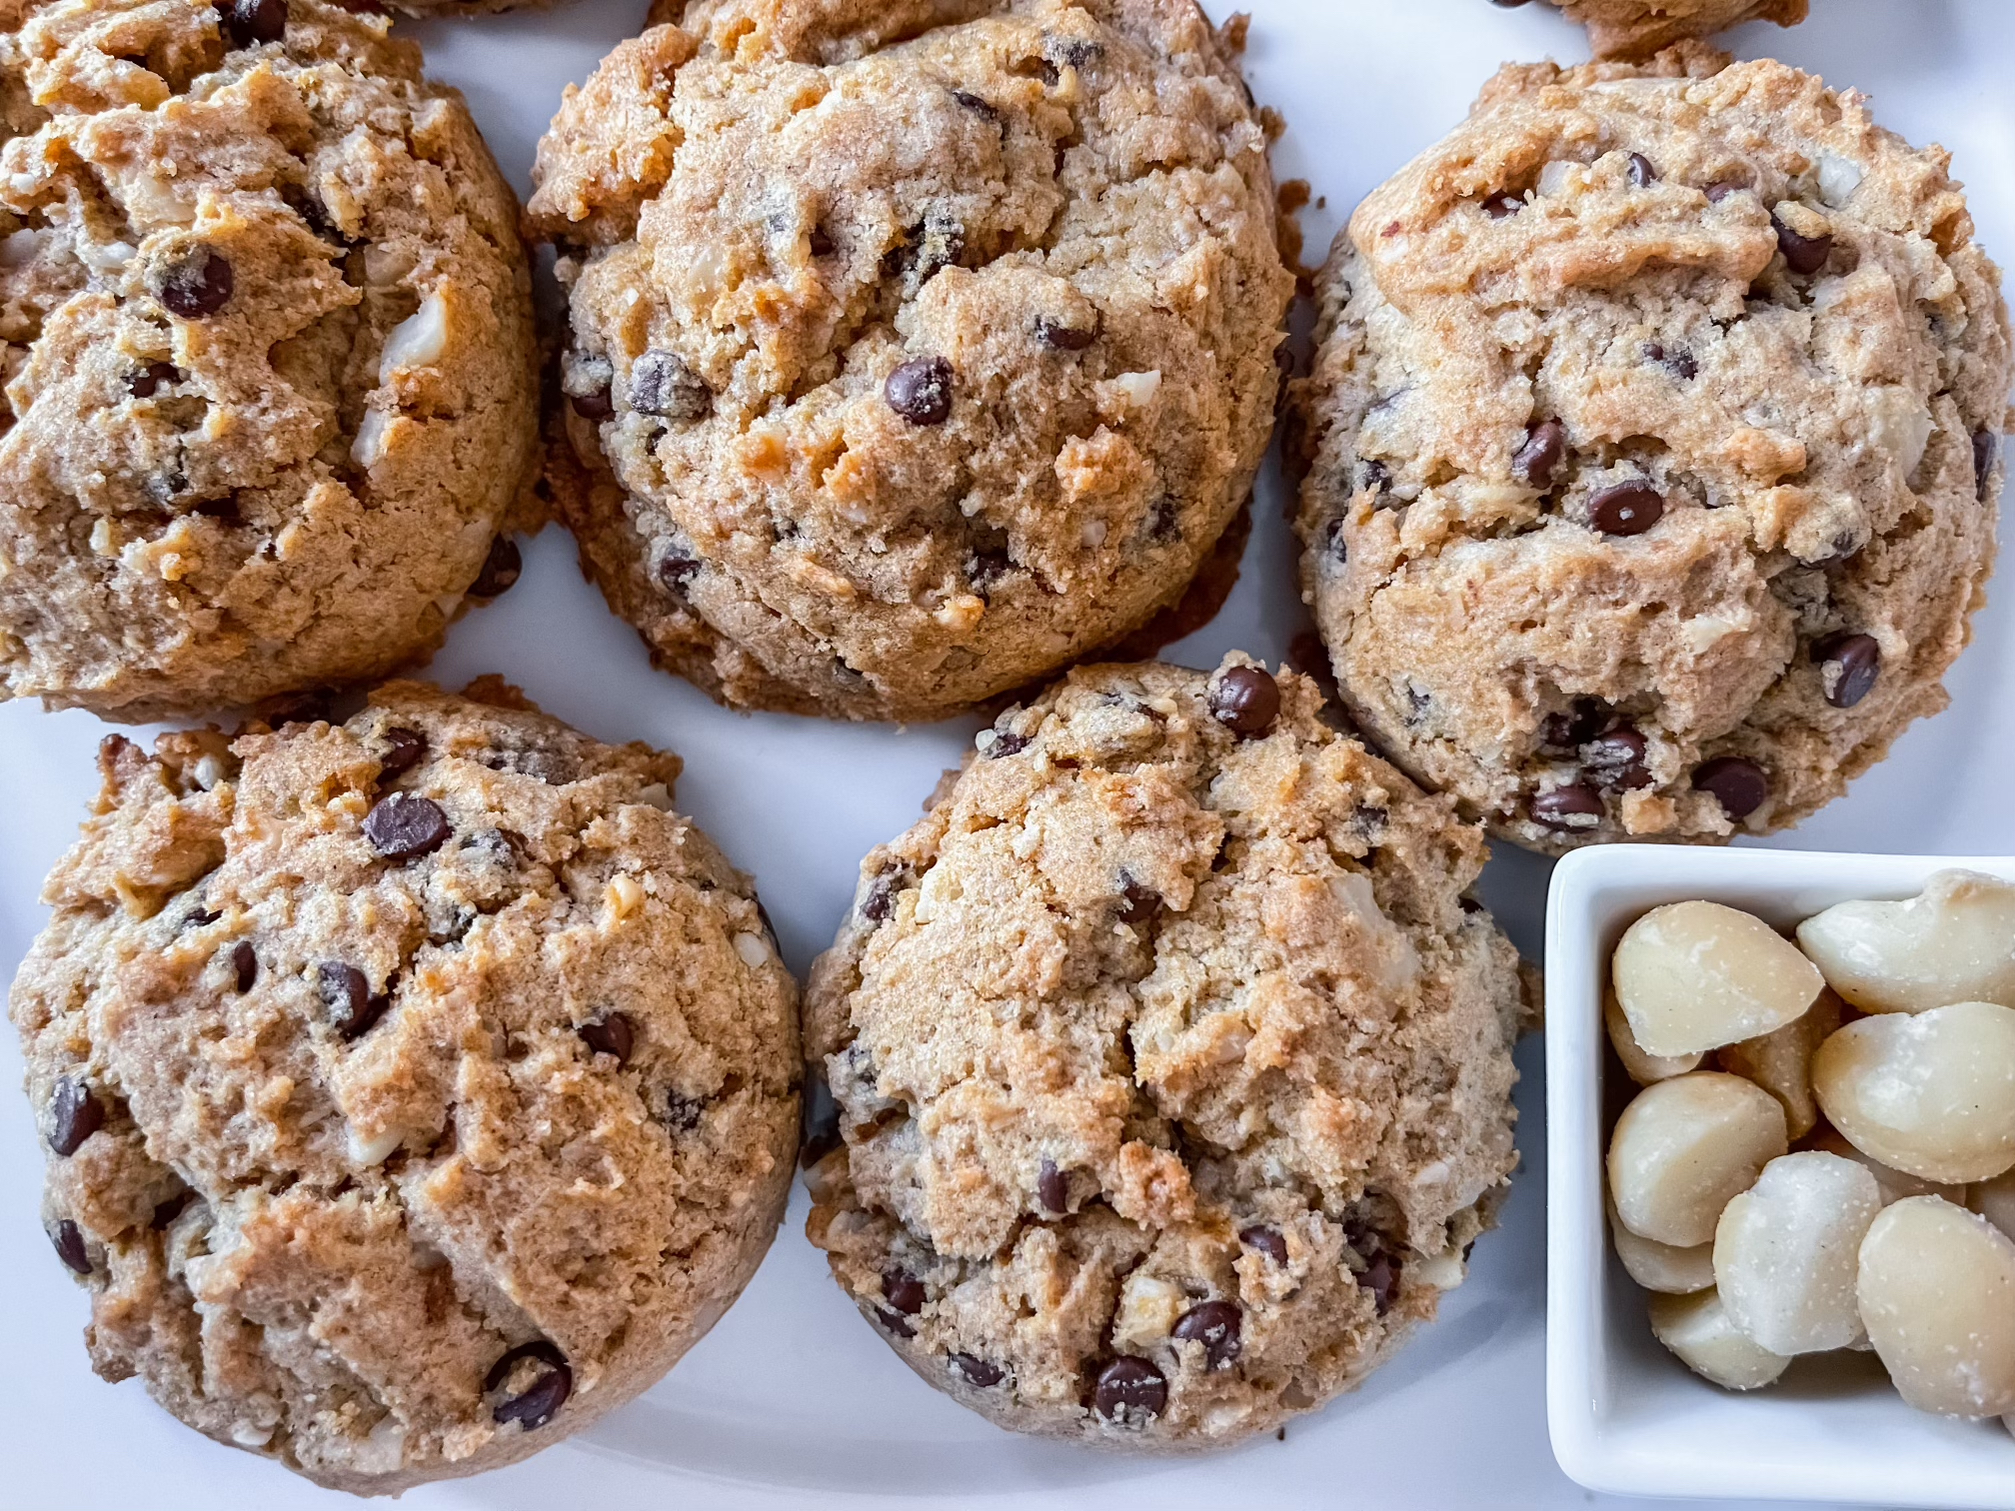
535 1406
1985 444
1130 1391
501 568
1849 665
1509 4
1616 759
1373 477
74 1115
661 384
1335 543
1677 361
403 826
166 1212
593 406
880 901
1380 1276
988 566
677 567
610 1034
404 749
1642 173
1163 523
69 1241
1005 743
895 1322
1569 731
151 378
921 390
309 707
347 995
1139 903
682 1113
1052 1187
1061 337
200 284
244 964
977 1372
1575 806
199 918
1802 254
1737 782
1503 204
1245 700
1626 508
1214 1324
1266 1239
1545 447
977 105
1071 52
1716 193
249 22
903 1290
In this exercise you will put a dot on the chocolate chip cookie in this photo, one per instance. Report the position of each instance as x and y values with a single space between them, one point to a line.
270 372
1654 440
1172 1066
415 1089
916 349
1635 29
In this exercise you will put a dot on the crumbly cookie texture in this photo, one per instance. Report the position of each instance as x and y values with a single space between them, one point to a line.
270 368
916 349
1635 29
1172 1065
1654 438
416 1088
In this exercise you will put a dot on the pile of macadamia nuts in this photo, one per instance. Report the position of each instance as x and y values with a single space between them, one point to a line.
1823 1153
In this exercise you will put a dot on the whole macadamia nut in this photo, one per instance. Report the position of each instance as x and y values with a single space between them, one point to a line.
1645 1069
1937 1292
1684 1147
1953 942
1659 1266
1786 1252
1931 1093
1693 976
1697 1328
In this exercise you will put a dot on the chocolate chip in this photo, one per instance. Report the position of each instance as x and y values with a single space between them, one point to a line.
74 1115
199 918
250 22
152 378
1052 1187
69 1241
347 995
1503 204
1716 193
536 1404
1626 508
200 284
501 568
661 384
1509 4
1380 1276
881 899
1139 903
1245 700
1802 254
610 1034
921 390
1616 759
681 1113
404 749
1335 543
1373 477
1005 742
1545 446
595 405
1848 667
309 707
1642 173
1266 1240
1677 361
987 566
977 105
678 566
1737 782
895 1322
1570 731
1071 52
903 1290
402 826
977 1372
1130 1391
244 964
1985 444
1214 1324
1061 337
1575 806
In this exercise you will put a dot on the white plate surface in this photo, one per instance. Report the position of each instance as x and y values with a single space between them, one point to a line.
792 1399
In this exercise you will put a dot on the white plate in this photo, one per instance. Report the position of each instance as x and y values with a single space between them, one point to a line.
792 1393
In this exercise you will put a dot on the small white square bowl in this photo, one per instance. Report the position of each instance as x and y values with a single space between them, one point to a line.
1625 1416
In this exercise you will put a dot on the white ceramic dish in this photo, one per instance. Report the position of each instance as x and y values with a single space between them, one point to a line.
1625 1415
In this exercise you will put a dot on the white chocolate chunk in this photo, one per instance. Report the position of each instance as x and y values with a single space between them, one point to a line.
1892 1183
1995 1200
1953 942
417 340
1937 1292
1781 1062
1659 1266
1786 1252
1644 1069
1693 976
1932 1094
1684 1148
1697 1329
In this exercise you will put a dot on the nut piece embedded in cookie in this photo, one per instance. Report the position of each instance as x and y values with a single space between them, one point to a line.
1171 1064
400 1148
272 386
1652 448
914 352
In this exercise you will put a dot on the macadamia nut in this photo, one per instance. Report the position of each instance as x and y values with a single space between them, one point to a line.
1659 1266
1698 1330
1781 1062
1937 1294
1693 976
1893 1184
1954 942
1644 1069
1995 1200
1787 1249
1684 1147
1932 1094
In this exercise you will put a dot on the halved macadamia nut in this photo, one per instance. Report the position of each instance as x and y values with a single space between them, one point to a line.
1697 1328
1659 1266
1931 1093
1995 1200
1693 976
1953 942
1937 1293
1894 1184
1644 1069
1786 1252
1781 1062
1684 1147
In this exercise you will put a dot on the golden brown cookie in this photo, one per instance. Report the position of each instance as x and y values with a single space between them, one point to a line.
1654 442
1635 29
416 1089
271 383
1172 1063
916 349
